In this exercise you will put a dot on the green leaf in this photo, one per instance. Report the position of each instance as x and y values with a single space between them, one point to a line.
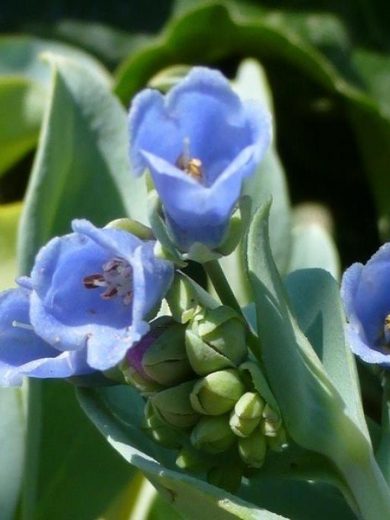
21 109
116 412
78 474
21 56
315 299
9 219
24 86
312 243
314 413
81 168
12 447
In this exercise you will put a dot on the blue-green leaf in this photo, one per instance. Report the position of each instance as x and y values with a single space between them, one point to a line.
314 413
12 442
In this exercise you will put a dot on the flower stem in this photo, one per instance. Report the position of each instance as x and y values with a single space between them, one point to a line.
221 285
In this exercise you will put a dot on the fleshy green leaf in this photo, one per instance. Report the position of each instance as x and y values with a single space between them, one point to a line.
314 413
24 89
312 243
116 412
12 447
9 218
78 473
315 299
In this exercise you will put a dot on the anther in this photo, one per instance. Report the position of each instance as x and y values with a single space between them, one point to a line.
192 166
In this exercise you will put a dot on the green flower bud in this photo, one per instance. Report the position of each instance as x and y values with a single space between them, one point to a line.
217 393
247 414
165 361
139 380
253 449
215 341
132 226
159 430
271 422
182 300
213 434
173 405
279 442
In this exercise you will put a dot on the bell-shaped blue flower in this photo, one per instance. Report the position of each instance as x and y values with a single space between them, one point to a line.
365 290
199 142
86 303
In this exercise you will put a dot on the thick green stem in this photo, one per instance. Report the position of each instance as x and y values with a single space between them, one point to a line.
227 297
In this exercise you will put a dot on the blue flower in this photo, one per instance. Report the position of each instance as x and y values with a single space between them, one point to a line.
86 303
199 142
365 290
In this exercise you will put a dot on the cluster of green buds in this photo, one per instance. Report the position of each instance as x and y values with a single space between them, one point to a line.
202 394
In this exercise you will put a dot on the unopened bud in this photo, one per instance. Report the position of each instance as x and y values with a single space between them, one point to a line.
271 422
132 369
165 361
247 414
213 434
253 449
216 341
173 405
159 430
182 300
132 226
217 393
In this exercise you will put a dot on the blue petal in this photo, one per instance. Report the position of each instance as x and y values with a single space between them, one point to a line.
22 352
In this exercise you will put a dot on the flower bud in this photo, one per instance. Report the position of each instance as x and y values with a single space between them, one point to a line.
247 414
217 393
159 359
252 449
213 434
159 430
271 422
132 369
173 405
165 361
132 226
182 300
215 341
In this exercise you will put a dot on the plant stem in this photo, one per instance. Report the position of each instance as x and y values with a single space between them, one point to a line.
227 297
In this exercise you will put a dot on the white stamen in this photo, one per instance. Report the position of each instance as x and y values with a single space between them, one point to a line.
21 325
